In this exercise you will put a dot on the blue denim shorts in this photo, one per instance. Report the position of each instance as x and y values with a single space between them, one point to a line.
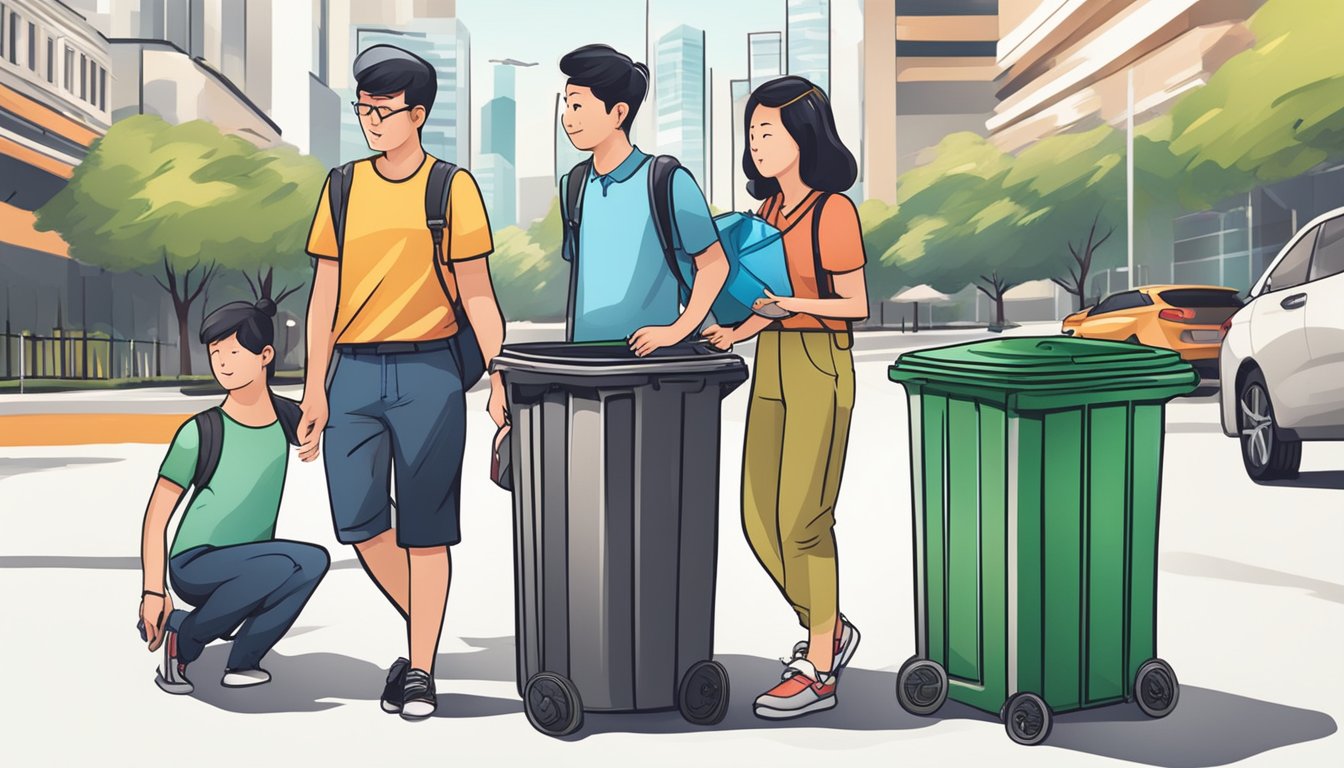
404 410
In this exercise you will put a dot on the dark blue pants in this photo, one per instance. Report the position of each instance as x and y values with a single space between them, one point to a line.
262 586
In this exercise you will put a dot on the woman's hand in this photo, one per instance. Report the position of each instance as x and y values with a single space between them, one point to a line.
720 337
789 304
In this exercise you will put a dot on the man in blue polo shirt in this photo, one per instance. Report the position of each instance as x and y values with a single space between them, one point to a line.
624 288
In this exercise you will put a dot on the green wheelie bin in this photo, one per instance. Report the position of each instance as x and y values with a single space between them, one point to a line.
1036 467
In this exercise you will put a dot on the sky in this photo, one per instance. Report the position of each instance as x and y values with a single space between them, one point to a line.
555 27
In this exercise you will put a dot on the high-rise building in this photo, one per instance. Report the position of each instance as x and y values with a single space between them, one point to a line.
808 42
255 68
929 69
535 194
765 57
566 154
738 92
446 45
679 99
496 172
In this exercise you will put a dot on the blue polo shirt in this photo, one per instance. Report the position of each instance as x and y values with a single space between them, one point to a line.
623 282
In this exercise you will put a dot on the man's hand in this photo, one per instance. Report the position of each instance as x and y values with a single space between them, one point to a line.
313 421
154 612
720 337
498 404
654 337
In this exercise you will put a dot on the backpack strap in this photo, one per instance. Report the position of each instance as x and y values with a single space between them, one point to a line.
661 173
210 444
825 280
338 198
575 183
289 413
438 191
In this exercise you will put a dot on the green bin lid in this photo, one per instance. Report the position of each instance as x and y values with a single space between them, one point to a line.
1038 369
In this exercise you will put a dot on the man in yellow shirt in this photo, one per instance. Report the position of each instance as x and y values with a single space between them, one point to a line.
382 302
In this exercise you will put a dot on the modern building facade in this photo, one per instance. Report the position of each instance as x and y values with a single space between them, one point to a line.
446 44
738 93
808 41
496 170
929 70
765 57
679 99
56 75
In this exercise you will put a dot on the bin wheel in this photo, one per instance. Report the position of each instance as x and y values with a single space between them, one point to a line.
1156 688
921 686
1028 719
703 696
552 704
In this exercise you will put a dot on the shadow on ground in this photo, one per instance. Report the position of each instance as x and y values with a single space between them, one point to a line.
313 682
1208 728
1206 566
15 467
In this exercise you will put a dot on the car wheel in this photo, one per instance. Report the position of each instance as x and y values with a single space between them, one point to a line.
1266 454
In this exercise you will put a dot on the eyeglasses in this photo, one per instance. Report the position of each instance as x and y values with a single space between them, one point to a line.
364 110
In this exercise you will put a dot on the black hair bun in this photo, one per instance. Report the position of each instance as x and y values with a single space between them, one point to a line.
266 307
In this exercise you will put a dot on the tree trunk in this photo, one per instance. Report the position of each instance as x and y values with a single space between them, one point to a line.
183 337
998 309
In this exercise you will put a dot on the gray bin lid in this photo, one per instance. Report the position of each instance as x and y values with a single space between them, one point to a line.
598 359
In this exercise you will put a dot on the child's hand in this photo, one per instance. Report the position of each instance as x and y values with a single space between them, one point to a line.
312 423
154 612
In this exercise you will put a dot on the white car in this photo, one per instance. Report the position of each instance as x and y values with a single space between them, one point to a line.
1282 357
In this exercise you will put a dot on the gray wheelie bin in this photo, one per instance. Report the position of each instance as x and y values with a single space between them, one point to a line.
615 463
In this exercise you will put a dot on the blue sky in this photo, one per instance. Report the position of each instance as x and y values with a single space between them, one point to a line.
544 30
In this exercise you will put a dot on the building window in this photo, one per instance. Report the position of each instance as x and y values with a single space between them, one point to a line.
102 89
13 38
83 77
32 46
4 29
51 60
68 71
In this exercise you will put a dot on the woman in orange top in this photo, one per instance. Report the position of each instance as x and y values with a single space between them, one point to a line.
792 465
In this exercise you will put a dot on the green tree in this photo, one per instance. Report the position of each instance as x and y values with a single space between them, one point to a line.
278 193
177 203
530 278
1270 113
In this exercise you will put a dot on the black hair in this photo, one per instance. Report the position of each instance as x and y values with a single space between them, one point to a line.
406 73
613 77
252 323
825 163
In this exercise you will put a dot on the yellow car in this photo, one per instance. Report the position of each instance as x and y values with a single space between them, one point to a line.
1184 318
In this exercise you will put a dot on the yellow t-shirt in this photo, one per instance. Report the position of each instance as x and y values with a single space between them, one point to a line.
388 288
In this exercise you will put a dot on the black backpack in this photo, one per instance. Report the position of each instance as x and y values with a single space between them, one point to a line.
660 208
466 348
210 436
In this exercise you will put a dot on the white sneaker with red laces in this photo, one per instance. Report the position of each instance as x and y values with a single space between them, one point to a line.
172 674
802 691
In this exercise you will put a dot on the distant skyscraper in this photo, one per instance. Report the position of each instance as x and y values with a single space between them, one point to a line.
566 154
496 172
445 44
679 98
739 91
765 57
809 41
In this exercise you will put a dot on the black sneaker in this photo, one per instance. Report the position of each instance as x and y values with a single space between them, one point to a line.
418 700
396 683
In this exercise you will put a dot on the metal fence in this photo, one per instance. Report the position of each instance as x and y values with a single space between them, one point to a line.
77 354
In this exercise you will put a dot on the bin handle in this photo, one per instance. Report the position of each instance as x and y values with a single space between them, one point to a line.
691 385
